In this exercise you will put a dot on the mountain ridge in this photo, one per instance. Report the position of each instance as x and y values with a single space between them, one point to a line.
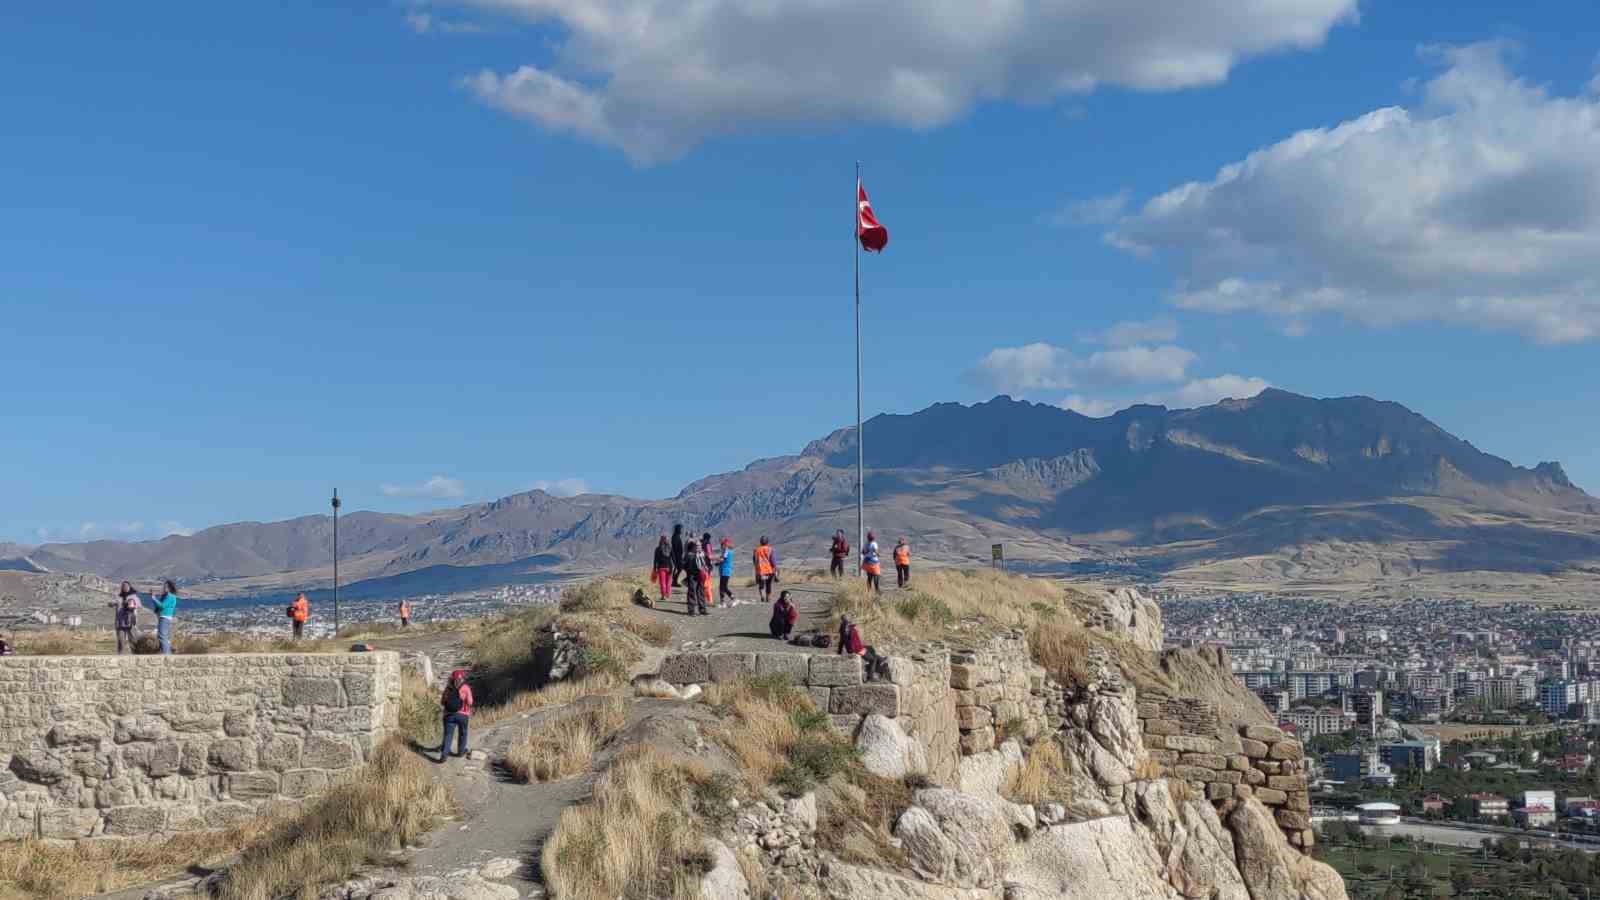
1061 488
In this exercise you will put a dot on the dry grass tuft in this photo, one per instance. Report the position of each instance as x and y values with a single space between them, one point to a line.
388 805
421 716
567 748
1042 778
1063 650
947 600
35 869
560 693
634 839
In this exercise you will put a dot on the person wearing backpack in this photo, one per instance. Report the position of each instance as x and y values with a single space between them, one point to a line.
127 608
838 553
298 612
765 569
661 568
902 563
694 591
457 704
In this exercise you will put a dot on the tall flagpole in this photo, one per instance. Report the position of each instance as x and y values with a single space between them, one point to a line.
861 472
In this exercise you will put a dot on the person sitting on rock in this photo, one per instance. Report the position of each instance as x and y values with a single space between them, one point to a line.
784 617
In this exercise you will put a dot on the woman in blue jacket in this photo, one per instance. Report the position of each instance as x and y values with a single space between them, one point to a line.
165 608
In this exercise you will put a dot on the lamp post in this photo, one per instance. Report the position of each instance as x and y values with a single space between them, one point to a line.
335 562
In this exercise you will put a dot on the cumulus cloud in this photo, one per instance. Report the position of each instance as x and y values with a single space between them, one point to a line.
428 23
439 487
654 79
1041 366
1206 391
561 487
1102 210
1089 406
1138 363
175 528
1160 330
1480 207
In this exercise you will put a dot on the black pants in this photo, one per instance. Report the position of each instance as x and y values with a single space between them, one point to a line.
696 595
836 568
781 629
128 633
677 569
722 587
764 585
299 629
902 574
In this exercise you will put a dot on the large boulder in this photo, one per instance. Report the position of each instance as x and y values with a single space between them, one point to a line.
1104 742
984 774
1196 848
1102 859
1133 616
886 750
1272 870
979 830
725 880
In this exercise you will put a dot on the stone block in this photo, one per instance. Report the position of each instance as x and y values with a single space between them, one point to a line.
304 783
238 722
1285 750
280 753
252 785
1169 757
902 671
39 767
968 677
819 697
1156 742
1268 766
1243 791
193 759
1255 776
795 665
1287 782
67 824
1253 748
1190 743
1218 791
138 728
232 755
846 725
1207 760
965 698
1162 726
1264 733
183 818
977 740
866 699
76 735
1290 819
302 691
1194 773
731 666
326 753
133 820
1271 797
1239 763
1006 711
970 717
1299 801
227 815
835 670
359 689
1228 777
686 668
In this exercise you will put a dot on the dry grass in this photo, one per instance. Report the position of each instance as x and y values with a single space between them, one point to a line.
1042 777
387 806
567 748
34 869
560 693
421 716
777 735
1062 648
947 602
633 840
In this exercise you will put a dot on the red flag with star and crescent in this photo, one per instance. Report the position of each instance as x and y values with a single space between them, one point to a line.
873 236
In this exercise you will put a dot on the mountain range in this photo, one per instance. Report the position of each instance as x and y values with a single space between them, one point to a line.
1275 490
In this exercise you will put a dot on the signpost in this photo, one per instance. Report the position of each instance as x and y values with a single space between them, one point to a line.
997 556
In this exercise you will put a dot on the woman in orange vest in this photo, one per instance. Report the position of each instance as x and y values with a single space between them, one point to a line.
869 563
405 614
902 563
764 569
299 610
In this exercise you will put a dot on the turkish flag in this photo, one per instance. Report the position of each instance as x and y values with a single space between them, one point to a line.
873 237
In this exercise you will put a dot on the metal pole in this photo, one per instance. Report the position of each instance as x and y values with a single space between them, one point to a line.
861 471
335 562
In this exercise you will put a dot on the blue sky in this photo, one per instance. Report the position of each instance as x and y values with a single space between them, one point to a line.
440 253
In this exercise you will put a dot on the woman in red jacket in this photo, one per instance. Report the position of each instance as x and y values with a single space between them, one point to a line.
457 703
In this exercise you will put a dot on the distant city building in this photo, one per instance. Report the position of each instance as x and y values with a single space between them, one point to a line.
1484 806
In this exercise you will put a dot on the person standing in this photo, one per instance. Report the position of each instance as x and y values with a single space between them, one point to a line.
762 559
693 595
299 611
661 568
902 563
677 553
784 617
869 563
405 613
127 615
707 570
725 573
838 553
166 609
457 705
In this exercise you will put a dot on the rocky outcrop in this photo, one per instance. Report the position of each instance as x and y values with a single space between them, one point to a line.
1125 613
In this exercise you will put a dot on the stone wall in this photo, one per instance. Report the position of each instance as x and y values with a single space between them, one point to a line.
119 746
1000 692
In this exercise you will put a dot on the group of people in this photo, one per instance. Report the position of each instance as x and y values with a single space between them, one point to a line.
127 606
689 561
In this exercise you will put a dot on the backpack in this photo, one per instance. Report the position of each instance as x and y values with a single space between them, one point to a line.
452 700
640 598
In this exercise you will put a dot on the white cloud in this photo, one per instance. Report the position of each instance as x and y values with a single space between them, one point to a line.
439 487
561 487
1160 330
1138 364
1206 391
1089 406
655 79
175 528
1032 367
428 23
1480 207
1103 210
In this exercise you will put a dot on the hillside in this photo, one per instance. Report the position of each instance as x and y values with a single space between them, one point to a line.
1277 489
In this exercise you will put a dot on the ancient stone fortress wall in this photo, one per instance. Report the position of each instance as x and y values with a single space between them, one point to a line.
117 746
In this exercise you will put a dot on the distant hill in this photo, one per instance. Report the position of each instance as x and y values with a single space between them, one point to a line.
1276 488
